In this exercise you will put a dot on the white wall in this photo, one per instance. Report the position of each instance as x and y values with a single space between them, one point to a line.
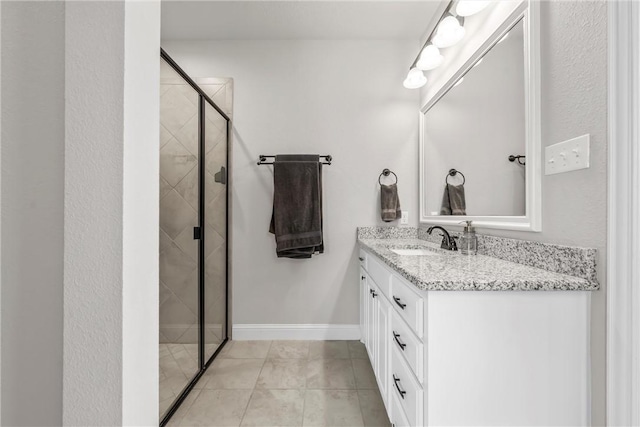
111 214
79 196
140 194
574 102
32 211
343 98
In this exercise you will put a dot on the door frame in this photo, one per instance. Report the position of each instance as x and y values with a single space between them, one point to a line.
623 246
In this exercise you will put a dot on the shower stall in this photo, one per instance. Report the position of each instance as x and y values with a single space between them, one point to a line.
195 126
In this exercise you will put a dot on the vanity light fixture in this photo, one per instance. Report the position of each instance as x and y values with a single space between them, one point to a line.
430 58
415 79
450 31
470 7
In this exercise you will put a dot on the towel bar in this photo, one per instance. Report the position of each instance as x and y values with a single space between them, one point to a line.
513 158
263 159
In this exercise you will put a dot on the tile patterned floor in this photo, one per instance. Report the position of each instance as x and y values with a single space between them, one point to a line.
286 383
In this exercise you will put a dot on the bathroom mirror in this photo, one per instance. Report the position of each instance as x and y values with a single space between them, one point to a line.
480 136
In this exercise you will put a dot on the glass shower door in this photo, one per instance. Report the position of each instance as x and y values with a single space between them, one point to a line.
193 229
179 208
215 274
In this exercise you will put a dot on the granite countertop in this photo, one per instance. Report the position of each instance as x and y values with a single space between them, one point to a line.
452 271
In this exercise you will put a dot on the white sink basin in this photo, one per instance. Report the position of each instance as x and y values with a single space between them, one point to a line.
413 252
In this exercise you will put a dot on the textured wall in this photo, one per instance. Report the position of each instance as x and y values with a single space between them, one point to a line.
343 98
574 102
111 213
32 211
140 213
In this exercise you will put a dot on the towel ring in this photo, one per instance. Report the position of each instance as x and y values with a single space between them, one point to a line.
453 172
387 172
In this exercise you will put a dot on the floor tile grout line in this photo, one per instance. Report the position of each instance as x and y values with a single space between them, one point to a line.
357 392
264 361
303 390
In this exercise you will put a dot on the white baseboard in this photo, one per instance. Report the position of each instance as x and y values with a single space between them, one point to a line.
315 332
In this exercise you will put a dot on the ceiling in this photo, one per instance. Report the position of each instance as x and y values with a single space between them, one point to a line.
301 19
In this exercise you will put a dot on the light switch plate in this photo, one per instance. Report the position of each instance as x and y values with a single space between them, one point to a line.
405 218
567 156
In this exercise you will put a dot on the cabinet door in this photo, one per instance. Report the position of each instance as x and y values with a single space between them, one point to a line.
382 346
372 312
364 300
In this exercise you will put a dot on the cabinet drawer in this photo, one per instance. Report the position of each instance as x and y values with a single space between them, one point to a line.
362 257
408 345
380 274
398 417
406 389
409 304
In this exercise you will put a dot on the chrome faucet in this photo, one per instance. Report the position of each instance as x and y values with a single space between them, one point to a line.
448 242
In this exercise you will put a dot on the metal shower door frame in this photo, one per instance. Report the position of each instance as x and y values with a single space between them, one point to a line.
203 364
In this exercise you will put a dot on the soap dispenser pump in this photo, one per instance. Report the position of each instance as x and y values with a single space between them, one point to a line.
469 240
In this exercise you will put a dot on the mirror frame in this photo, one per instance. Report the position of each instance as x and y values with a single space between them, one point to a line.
532 220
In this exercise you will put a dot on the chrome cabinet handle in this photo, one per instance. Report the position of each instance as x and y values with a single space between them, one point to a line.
373 293
360 258
396 337
400 304
363 277
396 380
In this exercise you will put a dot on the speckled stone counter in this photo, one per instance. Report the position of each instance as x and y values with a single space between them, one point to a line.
452 271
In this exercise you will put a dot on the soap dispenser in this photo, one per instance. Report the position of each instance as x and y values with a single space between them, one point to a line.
469 240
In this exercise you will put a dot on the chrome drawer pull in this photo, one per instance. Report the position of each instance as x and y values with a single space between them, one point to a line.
363 277
396 336
396 380
397 300
360 258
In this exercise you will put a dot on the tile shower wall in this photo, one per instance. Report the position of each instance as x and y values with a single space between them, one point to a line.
179 208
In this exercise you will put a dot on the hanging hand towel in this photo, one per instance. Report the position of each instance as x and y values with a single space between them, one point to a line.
453 200
296 219
389 203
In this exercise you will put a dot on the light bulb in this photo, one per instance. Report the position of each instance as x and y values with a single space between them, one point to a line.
430 58
470 7
415 79
449 32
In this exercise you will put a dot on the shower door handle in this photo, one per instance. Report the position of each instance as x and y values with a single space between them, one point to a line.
221 176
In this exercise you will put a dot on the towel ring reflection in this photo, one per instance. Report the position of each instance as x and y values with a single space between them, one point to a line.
387 172
453 172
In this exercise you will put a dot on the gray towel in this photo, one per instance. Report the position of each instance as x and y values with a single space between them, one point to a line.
389 203
453 201
296 218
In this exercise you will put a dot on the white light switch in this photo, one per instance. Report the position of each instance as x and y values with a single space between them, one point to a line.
404 220
567 156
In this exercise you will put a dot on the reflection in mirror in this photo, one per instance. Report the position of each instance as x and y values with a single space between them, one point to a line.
474 128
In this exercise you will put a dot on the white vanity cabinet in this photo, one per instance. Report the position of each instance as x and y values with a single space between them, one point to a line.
375 317
475 358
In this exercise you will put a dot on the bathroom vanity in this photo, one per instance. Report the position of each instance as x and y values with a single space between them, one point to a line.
473 340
